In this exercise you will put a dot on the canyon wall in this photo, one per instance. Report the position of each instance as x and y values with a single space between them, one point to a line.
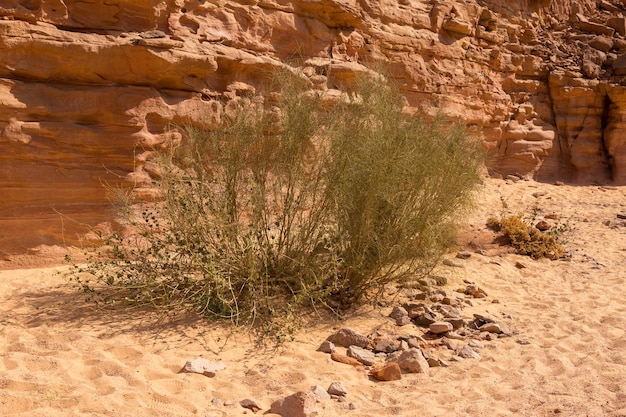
89 89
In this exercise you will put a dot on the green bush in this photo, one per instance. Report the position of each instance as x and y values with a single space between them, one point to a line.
288 203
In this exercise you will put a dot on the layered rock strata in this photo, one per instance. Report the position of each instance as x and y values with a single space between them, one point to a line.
89 89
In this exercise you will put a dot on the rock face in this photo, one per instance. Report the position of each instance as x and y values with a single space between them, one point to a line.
88 90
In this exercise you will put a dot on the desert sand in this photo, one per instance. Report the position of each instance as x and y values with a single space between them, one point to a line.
61 357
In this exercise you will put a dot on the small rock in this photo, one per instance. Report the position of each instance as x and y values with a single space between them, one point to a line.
320 393
520 265
388 372
337 388
440 327
494 328
468 353
250 405
386 346
326 347
523 342
473 343
456 322
424 319
366 357
338 357
454 263
352 406
433 362
403 321
463 255
203 366
543 225
300 404
347 337
411 360
398 312
216 402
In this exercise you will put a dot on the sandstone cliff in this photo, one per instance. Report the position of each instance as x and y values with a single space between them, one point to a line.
88 89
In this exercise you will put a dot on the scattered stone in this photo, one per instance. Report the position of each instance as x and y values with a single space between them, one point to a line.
519 265
364 356
203 366
495 327
337 388
468 353
250 405
388 372
398 312
352 406
473 343
300 404
338 357
439 280
326 347
414 342
453 262
523 342
440 327
386 346
412 360
543 225
456 322
464 255
433 362
424 319
403 321
320 393
347 337
216 402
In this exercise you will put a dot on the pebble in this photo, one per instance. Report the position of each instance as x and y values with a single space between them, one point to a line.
412 360
464 255
203 366
364 356
496 327
453 262
326 347
320 393
338 357
403 321
386 346
398 312
250 405
388 372
468 353
347 337
337 388
440 327
300 404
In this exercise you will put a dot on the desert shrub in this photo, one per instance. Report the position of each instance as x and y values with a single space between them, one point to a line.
527 239
284 203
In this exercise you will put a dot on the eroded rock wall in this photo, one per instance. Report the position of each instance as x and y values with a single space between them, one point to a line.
88 89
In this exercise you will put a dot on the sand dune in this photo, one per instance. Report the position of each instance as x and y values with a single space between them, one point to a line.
567 356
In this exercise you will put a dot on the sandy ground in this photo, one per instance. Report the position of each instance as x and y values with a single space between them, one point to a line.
59 357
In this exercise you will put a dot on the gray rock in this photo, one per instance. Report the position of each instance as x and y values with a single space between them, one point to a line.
403 321
468 353
440 327
424 319
347 337
387 346
454 263
250 405
300 404
412 360
320 393
203 366
496 327
326 347
398 312
366 357
337 388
